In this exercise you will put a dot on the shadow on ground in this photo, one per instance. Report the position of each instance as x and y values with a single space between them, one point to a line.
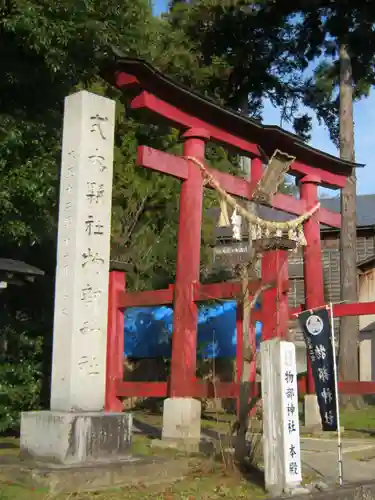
8 446
215 445
370 432
151 431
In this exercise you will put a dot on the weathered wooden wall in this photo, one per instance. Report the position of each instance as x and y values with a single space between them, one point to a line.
331 266
367 323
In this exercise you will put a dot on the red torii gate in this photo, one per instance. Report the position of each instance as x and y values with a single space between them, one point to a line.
201 120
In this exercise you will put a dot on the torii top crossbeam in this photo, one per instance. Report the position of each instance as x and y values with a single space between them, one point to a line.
184 109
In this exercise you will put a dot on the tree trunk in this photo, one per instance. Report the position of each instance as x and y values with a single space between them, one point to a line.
349 327
243 417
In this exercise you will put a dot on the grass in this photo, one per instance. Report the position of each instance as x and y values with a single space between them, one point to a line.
361 420
357 423
207 479
201 483
9 446
219 422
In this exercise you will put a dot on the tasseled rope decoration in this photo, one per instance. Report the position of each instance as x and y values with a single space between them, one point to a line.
236 225
224 217
260 227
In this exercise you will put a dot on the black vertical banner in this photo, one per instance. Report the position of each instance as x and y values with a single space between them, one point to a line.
316 326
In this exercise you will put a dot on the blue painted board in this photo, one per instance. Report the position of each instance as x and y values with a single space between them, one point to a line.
148 331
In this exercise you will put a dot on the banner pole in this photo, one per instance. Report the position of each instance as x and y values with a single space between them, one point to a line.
339 445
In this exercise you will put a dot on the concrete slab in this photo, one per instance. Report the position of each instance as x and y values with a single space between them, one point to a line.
362 491
130 471
319 458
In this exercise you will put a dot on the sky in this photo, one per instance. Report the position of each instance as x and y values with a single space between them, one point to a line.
364 120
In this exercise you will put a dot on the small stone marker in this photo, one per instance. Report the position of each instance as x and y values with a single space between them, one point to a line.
281 436
81 290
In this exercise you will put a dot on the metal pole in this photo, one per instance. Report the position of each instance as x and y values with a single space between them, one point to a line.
339 445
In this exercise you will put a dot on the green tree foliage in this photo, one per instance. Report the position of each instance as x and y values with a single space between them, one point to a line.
320 28
47 50
236 51
146 206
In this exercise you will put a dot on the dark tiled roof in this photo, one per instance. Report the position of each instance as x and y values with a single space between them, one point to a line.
19 267
365 208
267 137
365 213
366 263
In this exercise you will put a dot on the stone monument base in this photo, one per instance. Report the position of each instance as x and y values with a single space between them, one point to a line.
75 438
182 421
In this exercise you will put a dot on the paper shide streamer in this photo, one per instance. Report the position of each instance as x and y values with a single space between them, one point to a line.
260 228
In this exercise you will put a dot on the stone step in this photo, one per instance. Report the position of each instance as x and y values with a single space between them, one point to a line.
130 471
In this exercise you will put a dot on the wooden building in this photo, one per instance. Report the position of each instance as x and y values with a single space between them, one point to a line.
236 251
366 292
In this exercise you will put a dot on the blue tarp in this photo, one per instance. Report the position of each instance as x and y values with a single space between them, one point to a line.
148 331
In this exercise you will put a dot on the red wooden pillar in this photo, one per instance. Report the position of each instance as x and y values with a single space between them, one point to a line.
256 169
239 348
282 284
115 342
256 175
312 257
185 317
275 301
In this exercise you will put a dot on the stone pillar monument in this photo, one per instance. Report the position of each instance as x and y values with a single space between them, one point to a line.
76 429
281 436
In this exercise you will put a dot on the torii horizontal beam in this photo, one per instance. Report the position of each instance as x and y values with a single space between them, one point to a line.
182 120
164 97
178 167
202 293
